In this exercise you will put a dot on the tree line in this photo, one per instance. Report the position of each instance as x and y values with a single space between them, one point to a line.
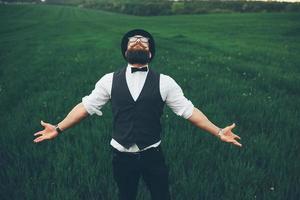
167 7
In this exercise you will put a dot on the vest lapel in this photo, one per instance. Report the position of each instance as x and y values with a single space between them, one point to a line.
144 86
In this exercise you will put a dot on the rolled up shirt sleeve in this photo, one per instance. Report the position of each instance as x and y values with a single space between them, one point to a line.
176 100
99 96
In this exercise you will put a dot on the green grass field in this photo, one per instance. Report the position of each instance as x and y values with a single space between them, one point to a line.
241 68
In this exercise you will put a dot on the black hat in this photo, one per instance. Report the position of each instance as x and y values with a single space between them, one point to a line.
141 32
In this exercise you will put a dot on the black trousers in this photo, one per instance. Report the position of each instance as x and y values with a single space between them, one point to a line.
148 164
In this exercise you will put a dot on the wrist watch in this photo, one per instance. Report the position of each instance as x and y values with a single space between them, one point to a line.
58 129
220 132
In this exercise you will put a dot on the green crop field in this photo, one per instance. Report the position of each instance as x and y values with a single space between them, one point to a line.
242 68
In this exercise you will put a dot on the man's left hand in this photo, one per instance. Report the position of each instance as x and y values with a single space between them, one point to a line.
229 136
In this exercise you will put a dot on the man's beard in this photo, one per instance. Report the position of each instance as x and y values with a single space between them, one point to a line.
138 56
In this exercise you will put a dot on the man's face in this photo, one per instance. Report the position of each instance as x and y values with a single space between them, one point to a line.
138 50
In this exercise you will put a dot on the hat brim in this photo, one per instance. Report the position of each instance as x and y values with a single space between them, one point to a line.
141 32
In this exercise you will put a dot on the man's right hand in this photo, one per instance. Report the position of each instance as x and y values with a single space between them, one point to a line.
49 132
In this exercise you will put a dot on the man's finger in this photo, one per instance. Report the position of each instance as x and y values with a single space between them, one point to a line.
236 136
233 141
229 128
232 126
236 143
39 139
38 133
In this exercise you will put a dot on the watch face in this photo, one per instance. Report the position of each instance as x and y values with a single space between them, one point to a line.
58 129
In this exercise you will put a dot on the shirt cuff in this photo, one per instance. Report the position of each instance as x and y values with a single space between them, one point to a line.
89 108
188 111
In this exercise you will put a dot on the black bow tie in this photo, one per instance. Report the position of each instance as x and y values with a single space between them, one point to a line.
142 69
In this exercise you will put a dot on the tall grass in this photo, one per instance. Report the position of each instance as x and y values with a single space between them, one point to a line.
241 68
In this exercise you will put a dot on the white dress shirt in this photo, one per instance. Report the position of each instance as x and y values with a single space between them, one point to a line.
170 92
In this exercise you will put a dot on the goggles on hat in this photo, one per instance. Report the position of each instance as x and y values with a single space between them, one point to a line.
135 38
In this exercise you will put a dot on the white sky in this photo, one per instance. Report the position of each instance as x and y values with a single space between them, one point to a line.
278 0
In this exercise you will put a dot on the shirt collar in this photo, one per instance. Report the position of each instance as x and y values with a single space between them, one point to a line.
128 69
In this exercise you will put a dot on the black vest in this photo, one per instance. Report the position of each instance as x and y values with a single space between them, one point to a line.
136 122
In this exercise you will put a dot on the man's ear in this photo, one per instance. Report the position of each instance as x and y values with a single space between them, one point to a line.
126 53
150 55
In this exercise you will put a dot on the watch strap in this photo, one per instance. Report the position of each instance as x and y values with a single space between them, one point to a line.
58 129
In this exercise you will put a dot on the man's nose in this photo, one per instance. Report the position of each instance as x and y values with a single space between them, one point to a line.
138 41
140 44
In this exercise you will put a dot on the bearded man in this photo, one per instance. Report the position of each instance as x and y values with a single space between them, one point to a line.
138 95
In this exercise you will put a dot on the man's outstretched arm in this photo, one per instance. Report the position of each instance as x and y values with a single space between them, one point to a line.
75 116
200 120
